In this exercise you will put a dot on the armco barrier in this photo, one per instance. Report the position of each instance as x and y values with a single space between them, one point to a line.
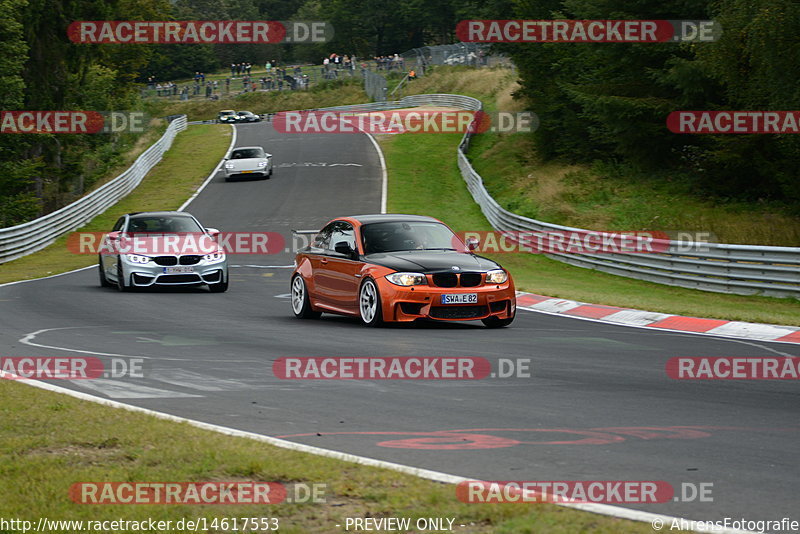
740 269
23 239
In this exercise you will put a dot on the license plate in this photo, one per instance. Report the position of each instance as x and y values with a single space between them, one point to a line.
460 298
178 270
245 172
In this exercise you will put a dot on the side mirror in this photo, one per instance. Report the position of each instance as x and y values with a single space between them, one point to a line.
213 232
472 243
343 247
113 236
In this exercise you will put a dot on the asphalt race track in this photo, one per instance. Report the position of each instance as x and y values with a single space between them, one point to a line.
598 404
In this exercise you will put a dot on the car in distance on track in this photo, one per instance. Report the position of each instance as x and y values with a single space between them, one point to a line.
227 116
248 160
398 268
247 116
152 249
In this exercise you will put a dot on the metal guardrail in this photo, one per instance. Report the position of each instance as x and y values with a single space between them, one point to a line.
718 267
23 239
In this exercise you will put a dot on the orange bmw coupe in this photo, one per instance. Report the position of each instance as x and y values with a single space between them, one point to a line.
398 268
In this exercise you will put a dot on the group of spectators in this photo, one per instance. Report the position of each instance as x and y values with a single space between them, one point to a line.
390 62
237 69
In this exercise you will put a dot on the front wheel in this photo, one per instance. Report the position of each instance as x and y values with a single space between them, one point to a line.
494 322
219 287
369 304
121 278
103 280
301 304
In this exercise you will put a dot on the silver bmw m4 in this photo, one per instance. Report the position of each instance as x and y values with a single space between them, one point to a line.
162 248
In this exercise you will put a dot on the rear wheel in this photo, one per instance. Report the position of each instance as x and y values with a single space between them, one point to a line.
103 280
369 304
301 304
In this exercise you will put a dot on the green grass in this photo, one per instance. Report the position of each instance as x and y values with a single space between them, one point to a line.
50 441
424 179
616 197
193 155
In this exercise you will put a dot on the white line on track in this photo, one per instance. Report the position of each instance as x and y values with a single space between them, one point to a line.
384 176
602 509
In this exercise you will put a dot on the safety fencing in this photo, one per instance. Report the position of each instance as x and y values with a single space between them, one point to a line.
20 240
725 268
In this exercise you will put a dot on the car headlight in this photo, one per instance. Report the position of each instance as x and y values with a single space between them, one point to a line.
229 165
215 257
136 258
407 279
496 276
262 163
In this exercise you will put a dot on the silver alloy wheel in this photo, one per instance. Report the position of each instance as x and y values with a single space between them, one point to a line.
368 301
298 294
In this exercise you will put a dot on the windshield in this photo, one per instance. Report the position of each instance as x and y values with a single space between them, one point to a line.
226 113
245 153
399 236
163 225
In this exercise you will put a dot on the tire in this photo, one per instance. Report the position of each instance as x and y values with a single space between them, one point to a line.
121 278
103 280
494 322
219 287
369 303
301 305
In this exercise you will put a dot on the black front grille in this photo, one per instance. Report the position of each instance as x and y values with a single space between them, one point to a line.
471 279
178 279
458 312
445 279
190 260
166 261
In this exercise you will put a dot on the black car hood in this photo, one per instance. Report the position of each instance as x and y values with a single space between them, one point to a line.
432 261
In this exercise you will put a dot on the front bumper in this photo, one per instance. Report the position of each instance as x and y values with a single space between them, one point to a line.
404 304
152 274
259 171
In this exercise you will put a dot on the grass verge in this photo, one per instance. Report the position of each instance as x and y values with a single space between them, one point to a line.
424 179
50 441
185 166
